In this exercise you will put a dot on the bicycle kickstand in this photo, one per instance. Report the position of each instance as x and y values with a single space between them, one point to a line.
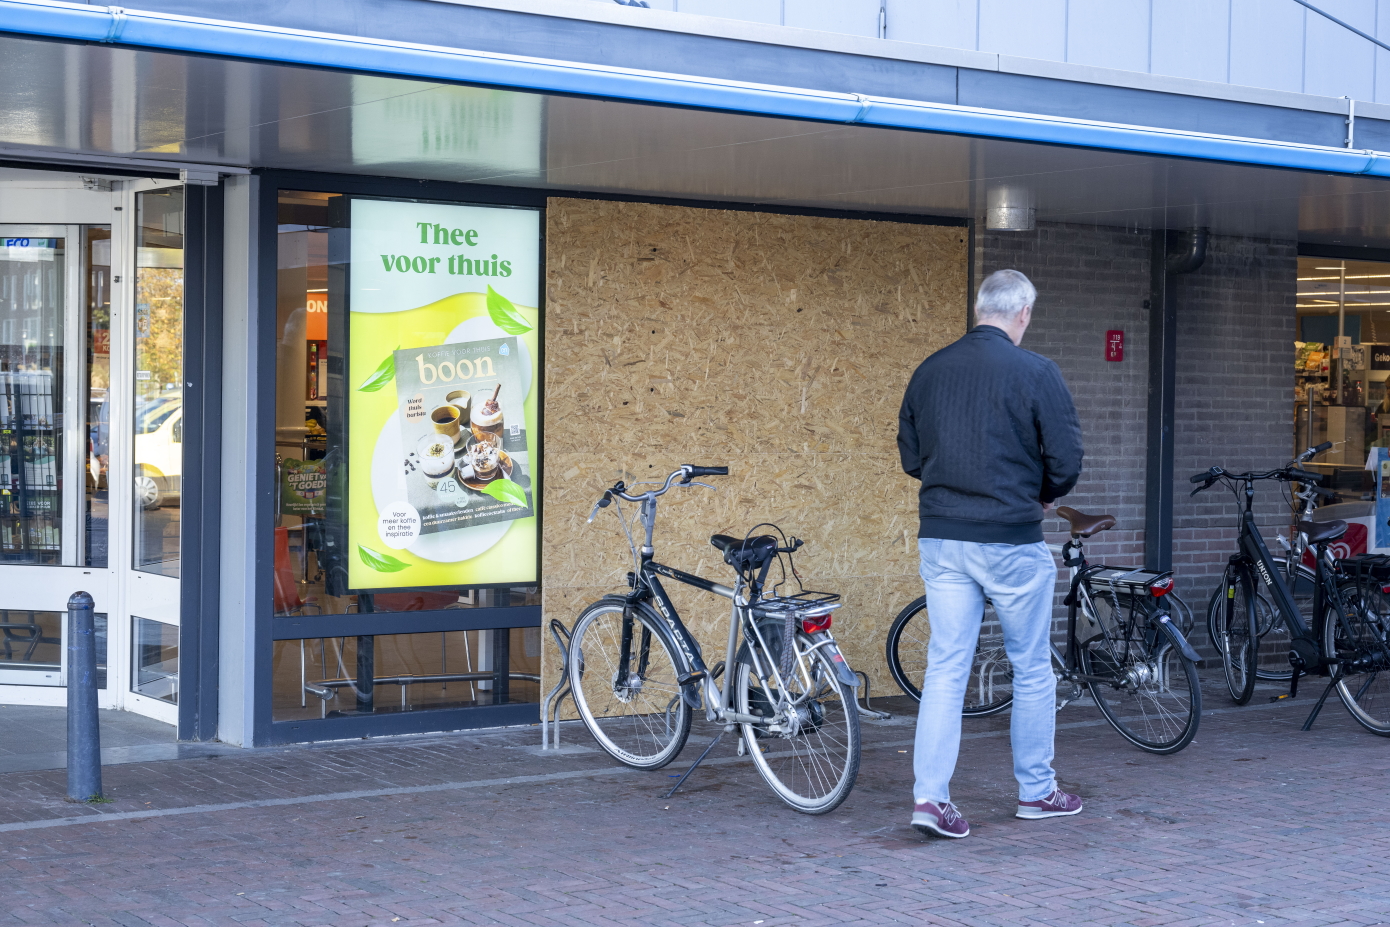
1313 716
686 775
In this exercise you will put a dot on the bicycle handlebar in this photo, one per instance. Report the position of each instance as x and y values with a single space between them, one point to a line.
686 472
1288 474
1313 452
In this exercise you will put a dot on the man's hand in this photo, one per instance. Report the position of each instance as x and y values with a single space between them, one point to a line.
1048 508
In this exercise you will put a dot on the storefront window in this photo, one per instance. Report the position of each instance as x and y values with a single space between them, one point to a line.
158 388
98 388
405 481
156 655
33 309
1341 364
322 678
31 647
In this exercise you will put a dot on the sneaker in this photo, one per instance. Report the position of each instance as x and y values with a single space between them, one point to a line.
942 820
1056 805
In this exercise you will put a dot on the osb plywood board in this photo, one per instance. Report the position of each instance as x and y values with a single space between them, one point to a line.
777 345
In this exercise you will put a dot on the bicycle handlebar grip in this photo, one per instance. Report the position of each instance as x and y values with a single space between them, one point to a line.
1201 477
1324 446
693 470
1303 476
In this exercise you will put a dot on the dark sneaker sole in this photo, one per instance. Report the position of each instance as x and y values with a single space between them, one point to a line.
1033 814
931 831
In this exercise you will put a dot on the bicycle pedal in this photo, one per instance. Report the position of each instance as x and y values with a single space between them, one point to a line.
1280 698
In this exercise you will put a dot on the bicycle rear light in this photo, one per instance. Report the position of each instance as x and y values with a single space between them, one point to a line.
816 623
1161 587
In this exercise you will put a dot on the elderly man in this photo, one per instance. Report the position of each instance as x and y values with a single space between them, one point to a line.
991 431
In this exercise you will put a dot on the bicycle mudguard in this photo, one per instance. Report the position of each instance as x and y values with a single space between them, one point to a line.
832 649
1165 623
771 630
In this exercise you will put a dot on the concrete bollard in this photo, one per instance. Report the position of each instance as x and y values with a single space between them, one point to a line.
84 734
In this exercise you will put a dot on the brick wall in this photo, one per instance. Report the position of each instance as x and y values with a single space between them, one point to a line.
1235 379
1091 280
1236 322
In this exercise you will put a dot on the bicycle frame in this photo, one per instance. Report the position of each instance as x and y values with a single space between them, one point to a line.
1254 555
646 587
1074 558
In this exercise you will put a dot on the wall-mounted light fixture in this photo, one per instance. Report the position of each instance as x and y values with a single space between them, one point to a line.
1010 208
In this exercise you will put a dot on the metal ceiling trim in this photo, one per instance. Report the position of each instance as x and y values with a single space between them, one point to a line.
167 32
94 162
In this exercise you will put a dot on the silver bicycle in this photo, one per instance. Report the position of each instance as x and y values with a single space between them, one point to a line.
638 674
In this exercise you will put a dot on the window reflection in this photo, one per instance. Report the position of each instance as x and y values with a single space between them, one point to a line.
158 412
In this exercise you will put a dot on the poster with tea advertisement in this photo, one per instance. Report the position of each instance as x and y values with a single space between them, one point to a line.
443 391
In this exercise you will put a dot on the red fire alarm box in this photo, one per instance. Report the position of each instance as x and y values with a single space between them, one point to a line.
1114 345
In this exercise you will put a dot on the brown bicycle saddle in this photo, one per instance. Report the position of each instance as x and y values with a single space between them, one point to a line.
1321 531
1083 525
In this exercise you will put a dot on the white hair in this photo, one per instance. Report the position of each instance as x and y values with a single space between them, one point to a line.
1003 295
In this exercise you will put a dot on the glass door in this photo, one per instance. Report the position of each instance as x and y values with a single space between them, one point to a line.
91 451
55 294
154 448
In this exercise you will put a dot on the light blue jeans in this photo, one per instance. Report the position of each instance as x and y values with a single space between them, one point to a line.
1018 579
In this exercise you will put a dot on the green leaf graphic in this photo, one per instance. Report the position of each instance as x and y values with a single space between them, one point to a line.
505 490
504 314
382 563
381 376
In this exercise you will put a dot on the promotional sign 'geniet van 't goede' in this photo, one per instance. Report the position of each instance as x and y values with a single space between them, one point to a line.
442 385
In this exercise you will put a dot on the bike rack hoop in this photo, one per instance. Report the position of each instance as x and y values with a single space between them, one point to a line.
550 708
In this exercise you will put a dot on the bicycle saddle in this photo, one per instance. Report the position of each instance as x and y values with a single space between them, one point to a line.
746 554
1320 532
1083 525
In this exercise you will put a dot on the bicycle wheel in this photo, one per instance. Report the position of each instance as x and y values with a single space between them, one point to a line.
641 720
811 764
1272 659
1146 688
1361 649
991 686
1233 623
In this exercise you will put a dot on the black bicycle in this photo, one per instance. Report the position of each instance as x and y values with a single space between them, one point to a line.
1272 655
1345 638
637 672
1123 645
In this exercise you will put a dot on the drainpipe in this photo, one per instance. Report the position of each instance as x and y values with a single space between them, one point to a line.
1174 253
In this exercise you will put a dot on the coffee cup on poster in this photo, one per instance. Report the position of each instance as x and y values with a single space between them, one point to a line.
445 420
435 453
460 399
486 416
484 454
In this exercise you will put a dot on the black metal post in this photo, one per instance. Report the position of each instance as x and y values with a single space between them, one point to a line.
366 673
84 732
501 665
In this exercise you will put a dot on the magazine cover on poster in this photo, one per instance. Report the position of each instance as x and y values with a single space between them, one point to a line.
443 395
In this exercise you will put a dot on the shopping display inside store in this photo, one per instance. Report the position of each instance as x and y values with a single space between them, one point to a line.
1341 368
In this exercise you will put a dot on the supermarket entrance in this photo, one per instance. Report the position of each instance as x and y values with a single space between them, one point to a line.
91 425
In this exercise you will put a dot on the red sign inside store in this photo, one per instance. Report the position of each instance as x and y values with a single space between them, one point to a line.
1114 345
316 325
101 341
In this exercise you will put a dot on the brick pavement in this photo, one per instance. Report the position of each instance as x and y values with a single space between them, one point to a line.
1256 823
